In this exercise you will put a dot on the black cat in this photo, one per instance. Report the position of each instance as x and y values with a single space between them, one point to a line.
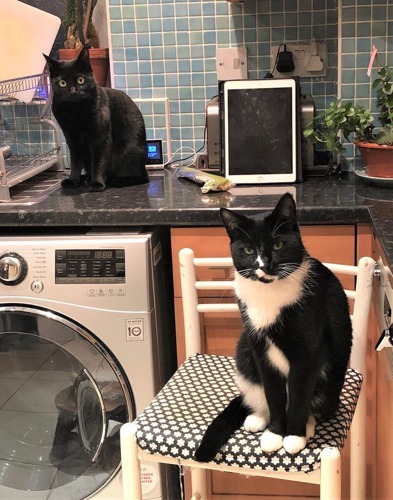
293 353
104 129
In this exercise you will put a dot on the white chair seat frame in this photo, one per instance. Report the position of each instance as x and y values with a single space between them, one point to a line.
328 476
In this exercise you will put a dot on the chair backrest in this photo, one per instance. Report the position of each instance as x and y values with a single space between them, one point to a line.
192 307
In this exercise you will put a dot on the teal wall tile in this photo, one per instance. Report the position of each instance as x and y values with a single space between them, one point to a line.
174 46
365 23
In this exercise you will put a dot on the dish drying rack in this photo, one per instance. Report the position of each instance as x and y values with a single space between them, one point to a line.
19 168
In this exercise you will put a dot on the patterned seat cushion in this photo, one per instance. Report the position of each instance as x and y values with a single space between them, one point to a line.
175 421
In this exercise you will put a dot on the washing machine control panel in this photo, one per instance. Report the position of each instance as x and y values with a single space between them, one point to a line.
98 266
98 271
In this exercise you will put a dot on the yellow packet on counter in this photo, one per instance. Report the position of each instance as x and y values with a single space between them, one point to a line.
211 182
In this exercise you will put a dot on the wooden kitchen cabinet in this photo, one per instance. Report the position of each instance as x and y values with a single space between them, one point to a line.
384 420
220 334
381 409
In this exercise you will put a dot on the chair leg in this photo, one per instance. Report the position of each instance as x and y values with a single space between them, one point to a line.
198 484
330 474
358 449
131 470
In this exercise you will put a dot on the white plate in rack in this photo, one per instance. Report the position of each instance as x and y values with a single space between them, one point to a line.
381 181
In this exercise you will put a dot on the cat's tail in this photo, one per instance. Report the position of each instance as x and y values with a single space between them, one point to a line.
220 430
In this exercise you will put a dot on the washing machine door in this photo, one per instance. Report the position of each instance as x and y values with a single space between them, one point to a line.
63 400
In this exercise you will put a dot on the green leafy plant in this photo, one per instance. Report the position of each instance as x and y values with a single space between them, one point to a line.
70 13
355 122
383 87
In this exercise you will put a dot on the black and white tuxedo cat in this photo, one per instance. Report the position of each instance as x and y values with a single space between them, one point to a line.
293 353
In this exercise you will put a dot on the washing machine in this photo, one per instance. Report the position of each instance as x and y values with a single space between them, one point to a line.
86 341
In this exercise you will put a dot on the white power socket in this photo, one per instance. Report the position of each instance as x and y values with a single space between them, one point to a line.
231 63
309 60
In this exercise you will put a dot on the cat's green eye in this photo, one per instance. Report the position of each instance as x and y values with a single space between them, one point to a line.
278 246
80 80
248 250
62 83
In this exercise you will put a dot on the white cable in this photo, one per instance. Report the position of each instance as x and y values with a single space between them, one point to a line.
305 65
313 48
179 151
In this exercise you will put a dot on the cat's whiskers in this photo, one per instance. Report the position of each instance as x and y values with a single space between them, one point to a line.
296 279
286 270
309 280
306 281
229 291
246 273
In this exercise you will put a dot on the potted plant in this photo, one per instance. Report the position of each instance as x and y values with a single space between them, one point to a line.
356 123
80 31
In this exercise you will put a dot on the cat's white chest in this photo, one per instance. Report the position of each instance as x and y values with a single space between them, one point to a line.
264 301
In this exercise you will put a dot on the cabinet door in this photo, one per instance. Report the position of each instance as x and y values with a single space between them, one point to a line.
381 402
384 405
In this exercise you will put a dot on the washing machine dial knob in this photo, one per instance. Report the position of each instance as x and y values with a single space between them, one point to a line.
13 268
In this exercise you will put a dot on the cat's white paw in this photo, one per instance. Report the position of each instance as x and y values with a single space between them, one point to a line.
253 423
310 427
270 441
293 444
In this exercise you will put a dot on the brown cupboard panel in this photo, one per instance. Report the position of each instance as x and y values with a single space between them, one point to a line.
225 483
206 242
219 334
380 410
384 459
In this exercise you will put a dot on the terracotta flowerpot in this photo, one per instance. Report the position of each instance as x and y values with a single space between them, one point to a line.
99 60
377 159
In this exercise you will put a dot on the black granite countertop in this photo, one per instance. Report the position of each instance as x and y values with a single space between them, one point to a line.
180 202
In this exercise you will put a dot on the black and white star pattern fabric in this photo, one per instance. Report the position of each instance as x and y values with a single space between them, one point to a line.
175 421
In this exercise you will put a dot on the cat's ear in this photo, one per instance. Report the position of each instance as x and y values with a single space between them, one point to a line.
233 222
53 65
286 208
83 58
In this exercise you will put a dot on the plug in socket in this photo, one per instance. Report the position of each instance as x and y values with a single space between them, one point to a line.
310 60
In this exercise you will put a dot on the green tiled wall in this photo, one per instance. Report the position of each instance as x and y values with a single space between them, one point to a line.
364 23
17 129
167 48
164 48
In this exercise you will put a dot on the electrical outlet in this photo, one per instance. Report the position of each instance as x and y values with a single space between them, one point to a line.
231 63
310 60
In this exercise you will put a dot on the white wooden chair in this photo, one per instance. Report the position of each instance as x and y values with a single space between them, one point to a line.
171 427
